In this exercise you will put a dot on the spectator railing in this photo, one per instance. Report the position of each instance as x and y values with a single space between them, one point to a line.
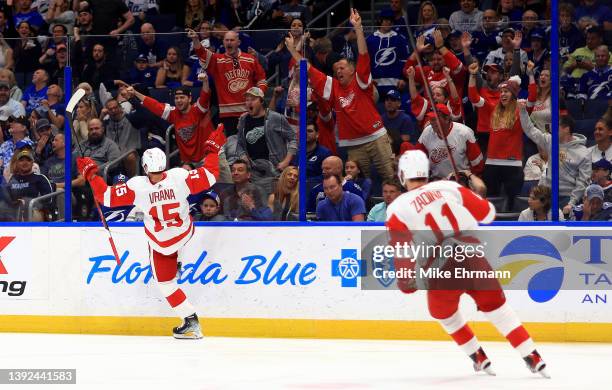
21 206
111 164
33 202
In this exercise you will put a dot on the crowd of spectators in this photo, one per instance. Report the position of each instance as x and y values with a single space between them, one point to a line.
198 64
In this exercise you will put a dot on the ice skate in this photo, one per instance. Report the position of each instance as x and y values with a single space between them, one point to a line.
482 362
536 364
190 329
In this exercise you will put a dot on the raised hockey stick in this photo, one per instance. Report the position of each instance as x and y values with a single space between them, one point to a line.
429 97
74 100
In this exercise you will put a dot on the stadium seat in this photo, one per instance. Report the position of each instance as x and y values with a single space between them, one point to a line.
585 127
520 204
595 109
499 202
575 108
507 216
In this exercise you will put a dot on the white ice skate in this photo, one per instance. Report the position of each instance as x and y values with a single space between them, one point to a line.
190 329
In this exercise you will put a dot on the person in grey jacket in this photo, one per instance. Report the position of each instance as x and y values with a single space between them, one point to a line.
574 157
265 134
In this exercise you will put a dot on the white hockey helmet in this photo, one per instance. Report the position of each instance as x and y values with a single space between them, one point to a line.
153 160
413 164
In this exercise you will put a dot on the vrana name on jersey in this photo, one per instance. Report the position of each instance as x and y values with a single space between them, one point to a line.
160 196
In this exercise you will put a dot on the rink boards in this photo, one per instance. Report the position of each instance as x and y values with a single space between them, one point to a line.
265 281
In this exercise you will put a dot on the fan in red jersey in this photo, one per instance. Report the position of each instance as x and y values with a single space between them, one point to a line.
444 211
350 94
233 72
162 196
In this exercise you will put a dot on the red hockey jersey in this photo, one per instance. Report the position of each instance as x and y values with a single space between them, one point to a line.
356 115
192 129
167 222
437 79
233 77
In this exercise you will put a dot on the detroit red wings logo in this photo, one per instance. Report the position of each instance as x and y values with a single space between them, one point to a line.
346 101
237 85
437 155
436 83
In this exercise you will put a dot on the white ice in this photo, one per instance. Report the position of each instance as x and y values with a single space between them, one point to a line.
130 362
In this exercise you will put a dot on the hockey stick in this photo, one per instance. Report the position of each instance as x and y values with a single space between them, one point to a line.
72 103
429 97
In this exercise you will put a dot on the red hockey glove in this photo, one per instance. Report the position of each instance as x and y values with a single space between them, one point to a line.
216 140
87 167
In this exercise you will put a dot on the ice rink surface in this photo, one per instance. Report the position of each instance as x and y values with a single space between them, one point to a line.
135 362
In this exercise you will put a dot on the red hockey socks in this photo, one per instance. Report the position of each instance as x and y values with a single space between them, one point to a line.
508 324
460 331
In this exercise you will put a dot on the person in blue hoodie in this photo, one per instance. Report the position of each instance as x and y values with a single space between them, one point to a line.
141 73
388 53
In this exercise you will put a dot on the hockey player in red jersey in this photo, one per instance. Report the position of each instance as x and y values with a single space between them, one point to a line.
162 196
446 210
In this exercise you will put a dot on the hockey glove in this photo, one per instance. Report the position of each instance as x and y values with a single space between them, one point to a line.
216 140
87 167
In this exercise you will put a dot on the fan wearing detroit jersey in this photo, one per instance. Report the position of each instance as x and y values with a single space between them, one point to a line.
440 211
162 195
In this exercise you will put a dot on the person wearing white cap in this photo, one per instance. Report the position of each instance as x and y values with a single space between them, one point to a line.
431 213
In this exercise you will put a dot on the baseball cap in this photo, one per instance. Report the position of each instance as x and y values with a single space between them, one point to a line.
5 84
538 33
42 124
508 30
386 13
393 94
182 91
25 153
455 34
492 66
120 178
212 195
84 7
255 91
593 30
594 191
602 164
441 108
61 46
141 58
